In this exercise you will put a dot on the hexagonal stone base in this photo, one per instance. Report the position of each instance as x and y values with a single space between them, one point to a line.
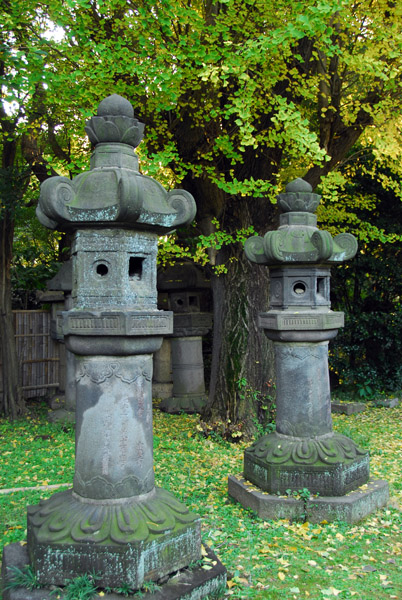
133 541
327 465
187 584
350 508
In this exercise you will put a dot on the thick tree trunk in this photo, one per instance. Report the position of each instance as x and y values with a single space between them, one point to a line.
11 402
240 349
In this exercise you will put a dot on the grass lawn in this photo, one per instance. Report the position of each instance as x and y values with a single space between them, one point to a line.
264 559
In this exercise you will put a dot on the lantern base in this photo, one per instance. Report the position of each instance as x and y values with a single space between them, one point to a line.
130 541
350 508
329 465
192 583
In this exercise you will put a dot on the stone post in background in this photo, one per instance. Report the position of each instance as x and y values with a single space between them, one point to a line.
304 453
162 384
115 522
186 285
64 411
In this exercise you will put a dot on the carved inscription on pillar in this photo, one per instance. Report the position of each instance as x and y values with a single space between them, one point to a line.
114 427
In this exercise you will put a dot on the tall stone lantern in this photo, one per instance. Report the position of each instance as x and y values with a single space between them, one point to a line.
304 453
114 522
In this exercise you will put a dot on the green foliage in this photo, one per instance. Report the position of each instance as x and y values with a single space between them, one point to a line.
365 356
80 588
198 247
25 578
35 253
264 403
217 83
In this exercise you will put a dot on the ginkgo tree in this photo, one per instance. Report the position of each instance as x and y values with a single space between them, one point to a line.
238 98
29 145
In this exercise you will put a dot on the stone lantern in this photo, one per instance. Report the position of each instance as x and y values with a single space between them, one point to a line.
304 452
185 285
115 522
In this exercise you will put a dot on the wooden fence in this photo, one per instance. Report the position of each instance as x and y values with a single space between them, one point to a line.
38 353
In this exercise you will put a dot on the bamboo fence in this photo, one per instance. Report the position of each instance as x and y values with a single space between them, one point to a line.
38 353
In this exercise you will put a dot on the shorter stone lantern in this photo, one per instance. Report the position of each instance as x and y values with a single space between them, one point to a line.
186 285
304 453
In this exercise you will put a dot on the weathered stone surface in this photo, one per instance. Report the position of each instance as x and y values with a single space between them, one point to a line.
61 415
350 508
303 453
348 408
63 280
298 241
113 193
331 465
191 324
306 287
175 405
303 392
115 522
193 583
140 539
188 393
163 363
185 283
305 321
162 383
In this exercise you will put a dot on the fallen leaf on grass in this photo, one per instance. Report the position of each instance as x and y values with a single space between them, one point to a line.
281 575
369 569
331 591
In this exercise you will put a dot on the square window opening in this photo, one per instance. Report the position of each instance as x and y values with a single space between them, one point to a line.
135 267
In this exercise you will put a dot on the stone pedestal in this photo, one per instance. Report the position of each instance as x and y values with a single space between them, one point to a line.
304 454
188 393
186 284
190 583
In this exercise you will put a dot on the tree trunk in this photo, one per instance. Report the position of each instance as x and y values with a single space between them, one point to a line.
11 402
240 349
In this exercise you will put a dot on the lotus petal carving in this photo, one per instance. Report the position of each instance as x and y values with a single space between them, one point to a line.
117 128
65 519
276 449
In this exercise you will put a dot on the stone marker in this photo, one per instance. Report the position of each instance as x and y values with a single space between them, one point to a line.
304 451
386 402
185 285
348 408
114 522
